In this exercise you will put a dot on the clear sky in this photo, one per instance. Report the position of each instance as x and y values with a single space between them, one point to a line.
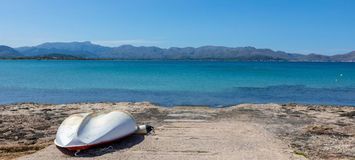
302 26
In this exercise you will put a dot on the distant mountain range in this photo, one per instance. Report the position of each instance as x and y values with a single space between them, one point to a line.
8 52
87 50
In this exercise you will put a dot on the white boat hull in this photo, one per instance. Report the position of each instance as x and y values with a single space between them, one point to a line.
82 131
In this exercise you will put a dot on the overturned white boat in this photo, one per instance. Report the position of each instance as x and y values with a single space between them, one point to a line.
82 131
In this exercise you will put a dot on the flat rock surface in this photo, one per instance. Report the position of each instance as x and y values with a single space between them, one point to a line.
247 131
193 141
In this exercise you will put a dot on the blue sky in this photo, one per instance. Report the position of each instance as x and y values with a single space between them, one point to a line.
302 26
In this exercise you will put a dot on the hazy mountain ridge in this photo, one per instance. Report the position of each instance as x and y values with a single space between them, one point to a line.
87 50
349 57
8 52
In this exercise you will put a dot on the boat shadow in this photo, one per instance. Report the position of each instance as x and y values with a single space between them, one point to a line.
114 146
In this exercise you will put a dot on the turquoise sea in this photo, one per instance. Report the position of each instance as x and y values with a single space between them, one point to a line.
169 83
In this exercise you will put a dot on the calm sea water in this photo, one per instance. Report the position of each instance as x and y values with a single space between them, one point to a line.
213 83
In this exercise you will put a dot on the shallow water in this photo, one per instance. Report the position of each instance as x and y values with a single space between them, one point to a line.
213 83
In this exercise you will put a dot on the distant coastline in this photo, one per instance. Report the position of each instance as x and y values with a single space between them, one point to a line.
69 58
90 51
111 59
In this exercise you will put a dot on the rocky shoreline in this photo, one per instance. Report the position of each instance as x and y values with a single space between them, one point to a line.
310 131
